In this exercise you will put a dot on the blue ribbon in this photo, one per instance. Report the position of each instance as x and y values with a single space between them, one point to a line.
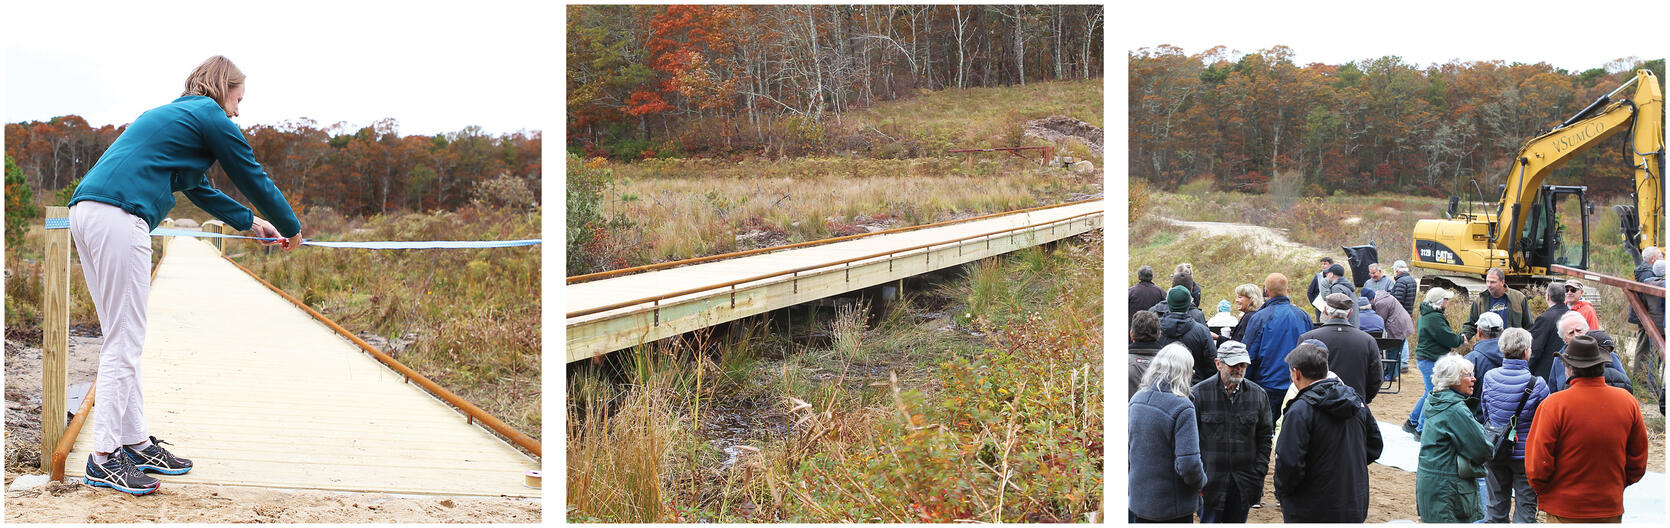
64 223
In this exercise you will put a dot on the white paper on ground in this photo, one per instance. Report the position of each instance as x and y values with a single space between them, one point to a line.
1643 501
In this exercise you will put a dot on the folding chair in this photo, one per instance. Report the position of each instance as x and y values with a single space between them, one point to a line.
1390 364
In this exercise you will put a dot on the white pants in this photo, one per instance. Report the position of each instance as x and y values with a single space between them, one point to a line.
115 250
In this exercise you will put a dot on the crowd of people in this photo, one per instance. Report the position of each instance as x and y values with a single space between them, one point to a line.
1520 411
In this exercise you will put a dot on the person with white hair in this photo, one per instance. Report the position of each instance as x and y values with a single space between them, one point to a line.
1378 280
1571 326
1453 448
1404 289
1502 391
1655 304
1650 256
1433 339
1166 472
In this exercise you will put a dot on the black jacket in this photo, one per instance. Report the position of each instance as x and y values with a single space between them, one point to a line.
1545 340
1141 354
1352 355
1235 436
1142 295
1328 440
1160 309
1176 327
1405 289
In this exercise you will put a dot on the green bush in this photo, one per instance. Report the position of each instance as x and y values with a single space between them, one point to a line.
20 204
588 225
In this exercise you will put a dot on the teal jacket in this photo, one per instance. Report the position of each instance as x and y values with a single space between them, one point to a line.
1450 435
169 148
1434 336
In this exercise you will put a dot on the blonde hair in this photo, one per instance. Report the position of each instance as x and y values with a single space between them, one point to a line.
213 79
1252 293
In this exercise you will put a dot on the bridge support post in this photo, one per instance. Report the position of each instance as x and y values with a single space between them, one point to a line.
216 226
162 249
55 329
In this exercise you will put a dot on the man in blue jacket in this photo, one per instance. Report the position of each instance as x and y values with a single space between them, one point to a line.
1273 332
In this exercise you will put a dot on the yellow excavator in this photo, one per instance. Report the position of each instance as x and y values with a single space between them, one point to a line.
1536 225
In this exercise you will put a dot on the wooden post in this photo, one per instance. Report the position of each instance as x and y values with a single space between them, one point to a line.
216 226
55 344
167 223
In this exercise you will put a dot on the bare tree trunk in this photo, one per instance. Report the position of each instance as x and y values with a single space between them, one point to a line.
1092 18
1020 43
816 104
961 24
1055 21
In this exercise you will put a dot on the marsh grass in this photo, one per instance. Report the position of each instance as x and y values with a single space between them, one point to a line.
905 415
689 208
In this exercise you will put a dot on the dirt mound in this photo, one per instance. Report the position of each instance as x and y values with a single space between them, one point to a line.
1058 128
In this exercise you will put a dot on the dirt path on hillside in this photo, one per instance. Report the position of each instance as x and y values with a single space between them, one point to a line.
1268 239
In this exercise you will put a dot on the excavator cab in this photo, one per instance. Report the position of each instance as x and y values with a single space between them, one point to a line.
1557 229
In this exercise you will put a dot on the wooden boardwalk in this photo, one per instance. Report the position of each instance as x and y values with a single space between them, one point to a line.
258 393
612 314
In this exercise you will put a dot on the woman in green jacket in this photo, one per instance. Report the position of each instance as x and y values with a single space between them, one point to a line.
1452 441
1433 339
120 200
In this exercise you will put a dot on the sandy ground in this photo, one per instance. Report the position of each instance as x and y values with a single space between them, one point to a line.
78 503
1269 239
23 393
1391 490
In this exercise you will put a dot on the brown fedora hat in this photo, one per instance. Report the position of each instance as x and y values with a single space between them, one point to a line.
1583 351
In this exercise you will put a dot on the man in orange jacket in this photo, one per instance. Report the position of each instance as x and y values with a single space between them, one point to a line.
1587 443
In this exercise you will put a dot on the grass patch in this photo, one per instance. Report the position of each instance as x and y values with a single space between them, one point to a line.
983 117
906 415
684 208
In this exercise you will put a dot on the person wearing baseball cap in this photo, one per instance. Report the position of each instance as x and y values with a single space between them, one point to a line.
1487 352
1368 320
1433 339
1574 300
1236 451
1352 354
1587 442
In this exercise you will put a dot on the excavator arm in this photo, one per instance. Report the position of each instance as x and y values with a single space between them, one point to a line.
1642 114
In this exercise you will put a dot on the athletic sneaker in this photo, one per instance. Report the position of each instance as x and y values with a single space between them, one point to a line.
119 473
156 459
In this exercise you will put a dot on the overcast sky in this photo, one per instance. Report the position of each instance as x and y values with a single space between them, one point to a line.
485 63
1575 36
